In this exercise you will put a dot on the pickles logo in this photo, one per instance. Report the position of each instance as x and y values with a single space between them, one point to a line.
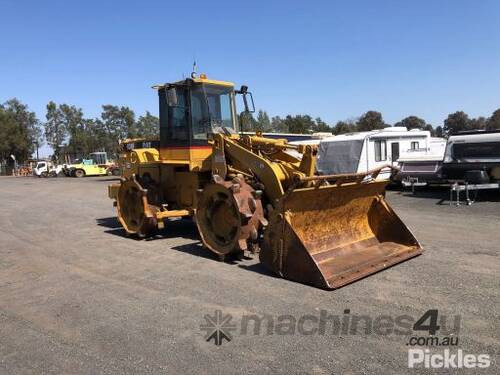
424 358
218 327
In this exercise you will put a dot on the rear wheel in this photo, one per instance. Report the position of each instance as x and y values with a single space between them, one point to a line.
135 214
79 173
116 172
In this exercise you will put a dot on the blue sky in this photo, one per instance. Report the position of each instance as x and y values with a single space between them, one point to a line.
333 59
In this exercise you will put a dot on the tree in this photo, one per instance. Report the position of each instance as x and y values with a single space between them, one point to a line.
26 133
300 124
263 123
412 122
455 122
321 126
370 120
55 131
119 122
247 122
148 126
438 132
97 137
278 125
477 123
8 135
72 120
494 121
343 127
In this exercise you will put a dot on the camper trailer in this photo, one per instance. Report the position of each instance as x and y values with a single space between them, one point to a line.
473 157
363 151
423 169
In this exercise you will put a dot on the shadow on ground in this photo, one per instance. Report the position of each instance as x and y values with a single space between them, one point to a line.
182 228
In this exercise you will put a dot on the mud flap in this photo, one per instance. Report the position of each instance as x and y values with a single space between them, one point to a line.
329 236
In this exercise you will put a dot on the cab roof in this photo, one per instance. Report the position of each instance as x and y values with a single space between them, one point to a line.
201 79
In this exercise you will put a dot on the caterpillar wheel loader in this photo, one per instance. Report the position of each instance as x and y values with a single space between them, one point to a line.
247 194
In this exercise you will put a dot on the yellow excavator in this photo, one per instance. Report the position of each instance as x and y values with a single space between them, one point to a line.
249 195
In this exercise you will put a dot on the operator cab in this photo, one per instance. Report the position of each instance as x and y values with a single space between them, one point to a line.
192 109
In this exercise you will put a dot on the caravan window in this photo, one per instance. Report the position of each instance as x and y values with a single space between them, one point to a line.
415 146
380 150
476 150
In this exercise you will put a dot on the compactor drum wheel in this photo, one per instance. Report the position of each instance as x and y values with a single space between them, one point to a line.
134 212
229 216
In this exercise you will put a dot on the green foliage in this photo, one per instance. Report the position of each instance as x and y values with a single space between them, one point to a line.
55 131
494 121
412 122
299 124
247 122
477 123
370 120
72 120
321 127
343 127
119 121
19 130
148 126
456 122
263 122
278 125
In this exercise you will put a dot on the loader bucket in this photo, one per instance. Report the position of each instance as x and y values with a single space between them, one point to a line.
329 236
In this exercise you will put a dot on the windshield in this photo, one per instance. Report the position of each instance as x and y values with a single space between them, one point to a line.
211 109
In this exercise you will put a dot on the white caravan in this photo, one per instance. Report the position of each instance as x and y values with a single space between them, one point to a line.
420 170
363 151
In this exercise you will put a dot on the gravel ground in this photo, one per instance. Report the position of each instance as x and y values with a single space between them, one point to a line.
78 296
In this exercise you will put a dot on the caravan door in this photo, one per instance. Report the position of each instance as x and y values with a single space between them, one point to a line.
394 153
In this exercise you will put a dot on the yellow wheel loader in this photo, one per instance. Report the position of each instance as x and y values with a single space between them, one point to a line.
248 194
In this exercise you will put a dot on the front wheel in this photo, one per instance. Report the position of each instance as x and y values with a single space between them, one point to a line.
229 216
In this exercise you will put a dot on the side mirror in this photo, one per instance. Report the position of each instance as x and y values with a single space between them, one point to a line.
244 92
172 99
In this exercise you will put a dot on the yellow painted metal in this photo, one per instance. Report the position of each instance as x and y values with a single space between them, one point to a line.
129 161
200 80
197 158
173 213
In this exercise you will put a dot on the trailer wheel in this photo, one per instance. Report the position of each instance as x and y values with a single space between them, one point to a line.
79 173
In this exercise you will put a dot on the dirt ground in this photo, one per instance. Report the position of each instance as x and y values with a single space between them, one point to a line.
78 296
